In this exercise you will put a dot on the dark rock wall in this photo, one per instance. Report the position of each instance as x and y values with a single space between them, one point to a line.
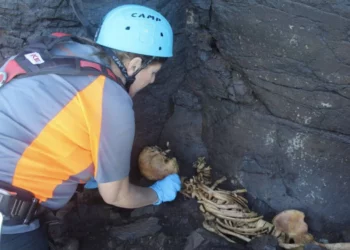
273 80
24 20
259 87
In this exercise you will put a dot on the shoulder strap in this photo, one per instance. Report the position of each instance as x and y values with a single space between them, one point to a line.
36 59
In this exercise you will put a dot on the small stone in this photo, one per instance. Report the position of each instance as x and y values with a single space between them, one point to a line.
232 98
137 229
194 241
203 239
158 242
346 235
112 244
148 210
114 215
323 241
67 244
266 242
204 56
240 88
231 90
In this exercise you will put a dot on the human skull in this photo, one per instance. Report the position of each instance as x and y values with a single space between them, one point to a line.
154 163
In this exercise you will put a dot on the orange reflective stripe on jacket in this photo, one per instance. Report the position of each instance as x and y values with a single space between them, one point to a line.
54 152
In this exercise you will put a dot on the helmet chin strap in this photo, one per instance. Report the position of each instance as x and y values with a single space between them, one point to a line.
129 79
116 60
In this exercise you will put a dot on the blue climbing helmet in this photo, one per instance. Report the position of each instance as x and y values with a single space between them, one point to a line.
136 29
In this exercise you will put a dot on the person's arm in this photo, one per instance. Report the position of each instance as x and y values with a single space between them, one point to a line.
124 194
112 138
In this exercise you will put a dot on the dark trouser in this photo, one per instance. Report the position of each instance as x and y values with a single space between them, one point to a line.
34 240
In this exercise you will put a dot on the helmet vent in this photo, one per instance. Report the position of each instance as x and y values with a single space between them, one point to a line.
161 34
160 48
127 28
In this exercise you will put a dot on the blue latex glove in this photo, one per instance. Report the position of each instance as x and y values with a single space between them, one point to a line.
167 188
91 184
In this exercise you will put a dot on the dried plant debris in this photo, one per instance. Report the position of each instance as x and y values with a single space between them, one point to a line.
227 214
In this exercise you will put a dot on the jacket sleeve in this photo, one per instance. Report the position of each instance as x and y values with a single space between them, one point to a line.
116 134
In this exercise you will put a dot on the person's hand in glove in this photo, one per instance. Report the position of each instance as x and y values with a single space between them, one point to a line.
167 188
91 184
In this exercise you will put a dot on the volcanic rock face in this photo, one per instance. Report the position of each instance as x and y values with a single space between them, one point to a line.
261 88
273 80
